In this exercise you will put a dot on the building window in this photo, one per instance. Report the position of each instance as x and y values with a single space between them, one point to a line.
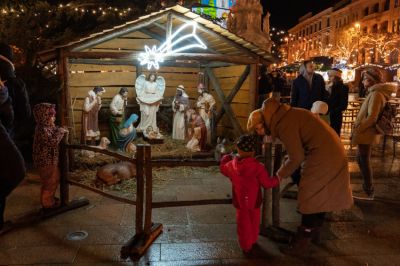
376 8
328 22
387 5
366 12
396 3
375 28
320 25
365 30
384 26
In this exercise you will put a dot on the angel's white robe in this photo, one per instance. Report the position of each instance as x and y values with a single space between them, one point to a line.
148 117
178 128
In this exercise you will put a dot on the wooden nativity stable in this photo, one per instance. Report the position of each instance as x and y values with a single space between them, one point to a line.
109 58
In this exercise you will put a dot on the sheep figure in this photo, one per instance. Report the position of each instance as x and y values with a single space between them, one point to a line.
111 174
219 149
104 142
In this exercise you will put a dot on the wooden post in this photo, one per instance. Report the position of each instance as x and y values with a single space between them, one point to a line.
149 190
168 31
221 96
276 190
64 170
267 199
139 188
253 93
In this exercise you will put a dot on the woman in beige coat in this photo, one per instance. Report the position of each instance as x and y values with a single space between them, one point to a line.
313 145
365 133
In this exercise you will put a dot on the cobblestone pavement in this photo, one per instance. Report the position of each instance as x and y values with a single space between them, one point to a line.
369 234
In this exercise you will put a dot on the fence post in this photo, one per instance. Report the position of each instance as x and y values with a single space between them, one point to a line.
276 190
149 190
139 188
267 199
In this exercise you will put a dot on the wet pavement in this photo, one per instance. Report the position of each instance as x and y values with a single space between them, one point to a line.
368 234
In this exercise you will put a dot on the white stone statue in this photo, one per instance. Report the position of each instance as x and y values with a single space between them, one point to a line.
179 105
149 94
205 105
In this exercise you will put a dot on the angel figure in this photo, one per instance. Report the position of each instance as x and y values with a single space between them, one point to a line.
149 92
179 105
205 105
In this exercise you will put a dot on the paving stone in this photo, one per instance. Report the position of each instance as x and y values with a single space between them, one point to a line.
38 235
171 216
111 253
200 251
38 255
213 232
107 234
212 214
188 263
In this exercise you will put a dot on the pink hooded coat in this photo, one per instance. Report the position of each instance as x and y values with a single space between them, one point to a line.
247 176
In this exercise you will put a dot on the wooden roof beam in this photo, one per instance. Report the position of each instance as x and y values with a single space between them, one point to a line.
216 35
160 26
117 33
180 56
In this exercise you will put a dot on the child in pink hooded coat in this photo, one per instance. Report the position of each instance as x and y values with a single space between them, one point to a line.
45 152
247 176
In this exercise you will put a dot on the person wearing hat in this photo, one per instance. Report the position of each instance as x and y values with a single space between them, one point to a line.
364 133
247 176
311 144
338 99
308 87
320 109
90 116
179 106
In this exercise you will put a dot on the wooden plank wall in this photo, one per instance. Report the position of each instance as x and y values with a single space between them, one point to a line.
228 77
83 77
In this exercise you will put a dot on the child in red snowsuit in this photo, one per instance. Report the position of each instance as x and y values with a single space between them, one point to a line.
247 176
45 152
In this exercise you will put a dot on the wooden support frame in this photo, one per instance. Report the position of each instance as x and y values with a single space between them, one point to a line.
202 57
228 109
148 232
233 93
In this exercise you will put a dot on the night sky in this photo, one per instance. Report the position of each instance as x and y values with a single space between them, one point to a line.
285 13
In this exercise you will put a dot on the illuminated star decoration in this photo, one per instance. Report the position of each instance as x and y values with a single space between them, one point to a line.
152 57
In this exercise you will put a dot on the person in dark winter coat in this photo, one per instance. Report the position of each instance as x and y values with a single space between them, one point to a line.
338 99
308 87
17 92
264 85
11 162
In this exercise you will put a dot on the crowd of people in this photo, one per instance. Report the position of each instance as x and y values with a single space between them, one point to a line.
316 159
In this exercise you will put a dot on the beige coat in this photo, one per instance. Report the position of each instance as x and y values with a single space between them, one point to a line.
365 131
311 143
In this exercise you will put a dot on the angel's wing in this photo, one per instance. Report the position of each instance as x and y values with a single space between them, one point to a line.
160 86
140 85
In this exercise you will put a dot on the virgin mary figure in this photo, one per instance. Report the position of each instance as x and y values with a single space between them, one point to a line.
149 94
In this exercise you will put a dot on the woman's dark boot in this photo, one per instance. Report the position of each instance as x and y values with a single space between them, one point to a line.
301 242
